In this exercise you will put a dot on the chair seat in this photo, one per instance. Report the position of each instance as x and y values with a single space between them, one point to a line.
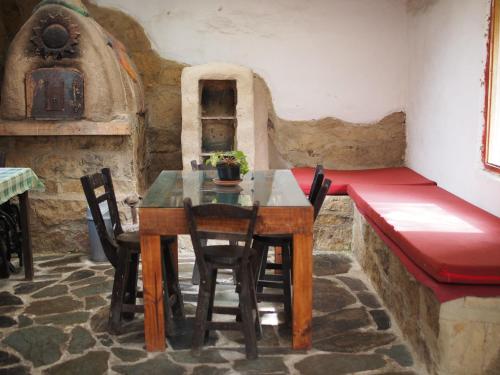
130 240
275 239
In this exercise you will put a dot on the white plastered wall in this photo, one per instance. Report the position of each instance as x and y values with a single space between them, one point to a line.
340 58
445 112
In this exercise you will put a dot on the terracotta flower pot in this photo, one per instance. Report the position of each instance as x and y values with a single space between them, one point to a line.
228 171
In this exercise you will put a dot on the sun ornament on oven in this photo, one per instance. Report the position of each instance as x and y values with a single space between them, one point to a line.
55 36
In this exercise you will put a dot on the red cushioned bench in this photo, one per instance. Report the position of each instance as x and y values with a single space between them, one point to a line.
441 239
342 179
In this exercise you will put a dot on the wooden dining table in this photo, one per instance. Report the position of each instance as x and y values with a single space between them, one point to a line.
283 210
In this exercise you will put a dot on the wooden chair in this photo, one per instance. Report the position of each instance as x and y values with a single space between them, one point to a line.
200 167
313 192
283 279
317 182
211 258
123 252
195 277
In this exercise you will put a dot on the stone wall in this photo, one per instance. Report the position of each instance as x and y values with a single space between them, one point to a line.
333 226
13 14
162 93
458 337
339 144
58 214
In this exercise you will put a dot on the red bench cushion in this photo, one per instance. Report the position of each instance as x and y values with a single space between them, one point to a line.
449 238
341 179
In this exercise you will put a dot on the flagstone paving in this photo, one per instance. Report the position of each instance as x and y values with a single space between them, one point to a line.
57 324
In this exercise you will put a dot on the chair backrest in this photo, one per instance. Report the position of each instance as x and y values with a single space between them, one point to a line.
320 198
317 181
200 167
213 213
90 184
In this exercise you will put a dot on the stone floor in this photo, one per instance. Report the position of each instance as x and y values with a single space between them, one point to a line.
57 325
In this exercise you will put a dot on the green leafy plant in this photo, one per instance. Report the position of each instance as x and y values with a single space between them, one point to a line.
231 158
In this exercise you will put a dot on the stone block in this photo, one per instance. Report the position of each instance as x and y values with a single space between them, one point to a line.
59 226
333 226
339 144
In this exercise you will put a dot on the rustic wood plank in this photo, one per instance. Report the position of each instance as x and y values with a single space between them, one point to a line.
39 128
154 324
302 290
271 220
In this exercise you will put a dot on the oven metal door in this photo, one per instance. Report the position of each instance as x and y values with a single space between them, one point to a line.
54 94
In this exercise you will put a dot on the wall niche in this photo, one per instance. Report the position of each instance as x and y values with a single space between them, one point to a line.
218 100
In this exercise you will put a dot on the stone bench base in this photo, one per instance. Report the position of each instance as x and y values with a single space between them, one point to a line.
455 337
333 226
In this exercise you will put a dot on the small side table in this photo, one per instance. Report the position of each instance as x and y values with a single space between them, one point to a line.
17 182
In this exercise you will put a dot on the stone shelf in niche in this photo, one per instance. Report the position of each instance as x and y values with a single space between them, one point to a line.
44 128
218 117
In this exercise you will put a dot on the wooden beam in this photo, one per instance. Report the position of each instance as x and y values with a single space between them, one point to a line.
44 128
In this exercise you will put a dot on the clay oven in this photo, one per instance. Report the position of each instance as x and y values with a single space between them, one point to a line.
63 65
71 104
221 113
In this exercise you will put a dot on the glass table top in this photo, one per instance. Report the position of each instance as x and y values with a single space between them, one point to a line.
272 188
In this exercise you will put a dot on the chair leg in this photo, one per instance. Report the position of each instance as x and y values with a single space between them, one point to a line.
255 305
213 283
262 272
287 284
131 285
172 286
169 278
246 315
119 284
200 322
195 277
235 281
169 318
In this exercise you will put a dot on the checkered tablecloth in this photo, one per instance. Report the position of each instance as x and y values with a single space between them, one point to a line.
14 181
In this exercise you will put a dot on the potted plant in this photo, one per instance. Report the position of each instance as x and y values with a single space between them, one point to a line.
230 164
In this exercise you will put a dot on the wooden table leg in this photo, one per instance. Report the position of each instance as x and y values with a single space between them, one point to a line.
152 278
302 291
26 236
278 258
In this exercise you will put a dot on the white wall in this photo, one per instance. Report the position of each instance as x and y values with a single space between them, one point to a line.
341 58
447 54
